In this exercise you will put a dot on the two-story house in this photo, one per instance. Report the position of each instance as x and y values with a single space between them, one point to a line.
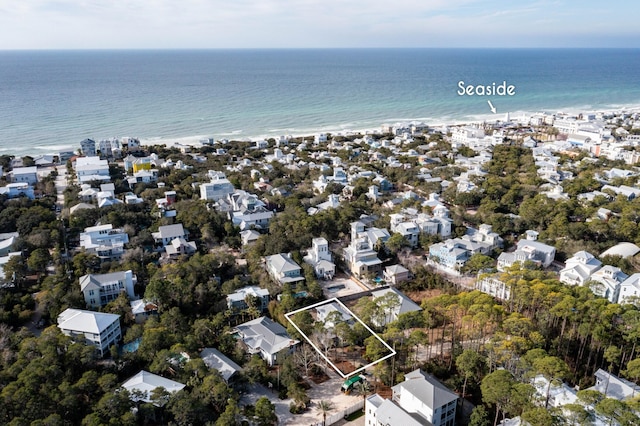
420 400
93 328
267 338
104 241
100 289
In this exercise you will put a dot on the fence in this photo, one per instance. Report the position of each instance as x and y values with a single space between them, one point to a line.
336 417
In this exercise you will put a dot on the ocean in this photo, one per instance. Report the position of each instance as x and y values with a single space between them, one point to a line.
51 100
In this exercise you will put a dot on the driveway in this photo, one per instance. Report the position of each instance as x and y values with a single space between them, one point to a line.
327 391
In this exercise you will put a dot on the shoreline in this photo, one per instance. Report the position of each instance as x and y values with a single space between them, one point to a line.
237 135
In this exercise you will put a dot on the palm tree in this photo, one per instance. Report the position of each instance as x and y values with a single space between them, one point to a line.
363 387
325 407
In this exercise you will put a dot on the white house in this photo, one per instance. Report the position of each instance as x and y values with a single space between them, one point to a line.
142 385
360 257
283 269
528 249
630 290
100 289
104 241
493 286
92 168
606 281
94 328
421 399
217 189
237 300
612 386
267 338
396 274
168 233
320 258
579 268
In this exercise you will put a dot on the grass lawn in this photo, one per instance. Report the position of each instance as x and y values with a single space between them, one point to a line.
351 417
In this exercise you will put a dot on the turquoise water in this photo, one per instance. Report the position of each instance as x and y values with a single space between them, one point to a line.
53 100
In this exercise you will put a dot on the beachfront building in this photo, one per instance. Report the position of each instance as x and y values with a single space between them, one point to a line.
267 338
283 269
419 400
93 328
88 147
100 289
104 241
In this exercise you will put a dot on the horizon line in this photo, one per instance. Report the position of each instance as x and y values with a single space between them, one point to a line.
133 49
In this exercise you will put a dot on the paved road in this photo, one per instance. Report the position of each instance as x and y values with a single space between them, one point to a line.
61 185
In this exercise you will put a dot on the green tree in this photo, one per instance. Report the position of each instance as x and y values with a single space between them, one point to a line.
538 417
633 372
265 412
553 369
470 364
38 260
496 389
479 416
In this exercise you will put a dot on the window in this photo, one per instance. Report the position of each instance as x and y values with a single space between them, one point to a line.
90 292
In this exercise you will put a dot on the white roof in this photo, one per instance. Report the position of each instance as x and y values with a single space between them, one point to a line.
216 360
146 382
86 321
624 249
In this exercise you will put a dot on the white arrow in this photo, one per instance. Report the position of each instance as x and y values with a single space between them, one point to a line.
493 109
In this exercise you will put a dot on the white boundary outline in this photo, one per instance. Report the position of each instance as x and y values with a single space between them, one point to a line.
335 300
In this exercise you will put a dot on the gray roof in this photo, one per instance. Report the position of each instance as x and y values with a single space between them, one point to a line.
281 263
426 388
216 360
266 335
170 231
98 279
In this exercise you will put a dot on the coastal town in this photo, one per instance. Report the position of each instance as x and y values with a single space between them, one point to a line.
472 274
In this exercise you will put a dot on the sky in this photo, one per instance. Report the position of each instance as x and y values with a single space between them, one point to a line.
176 24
